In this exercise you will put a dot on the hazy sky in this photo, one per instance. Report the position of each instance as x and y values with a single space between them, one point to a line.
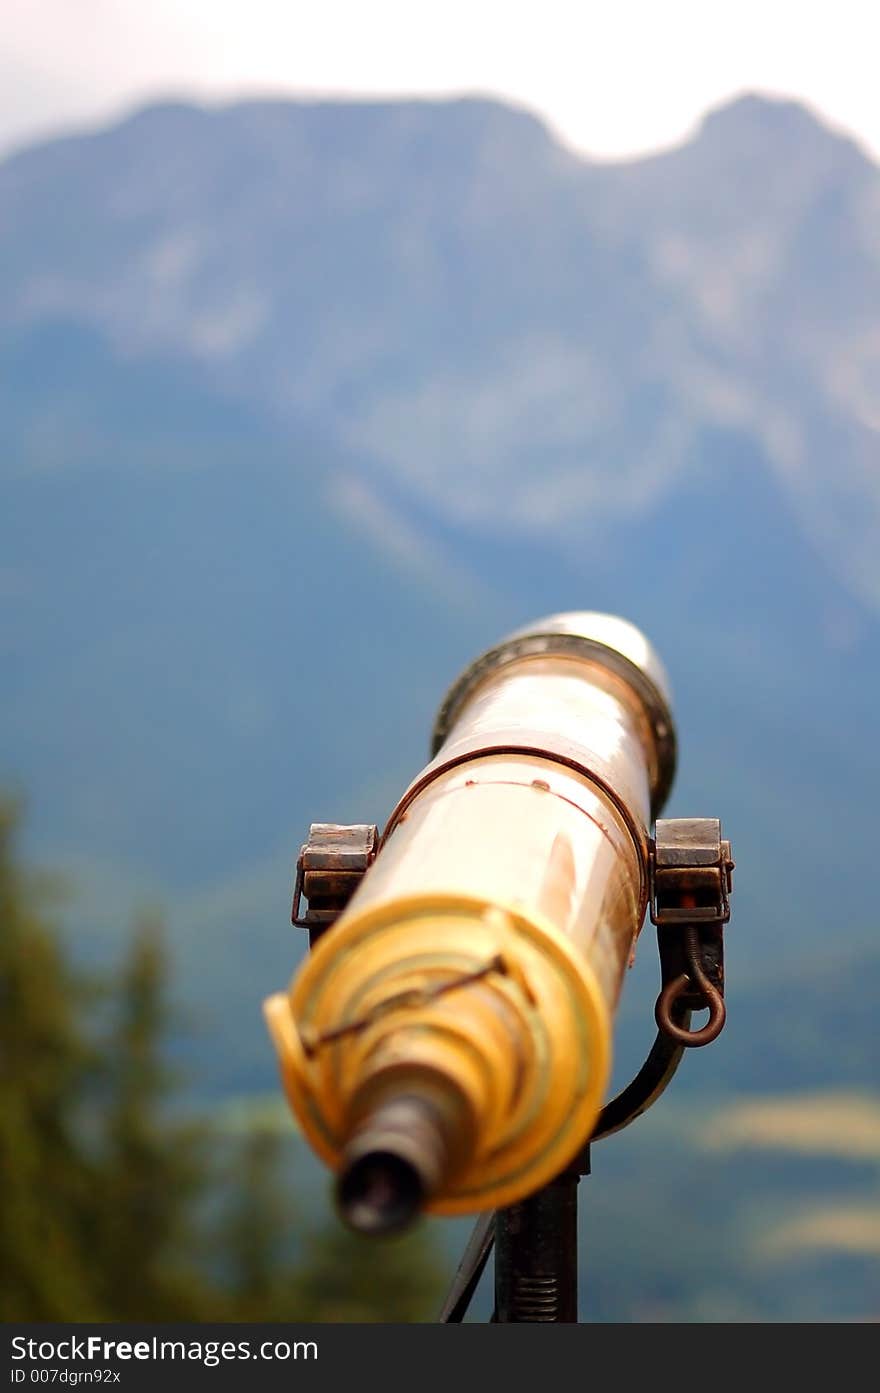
613 78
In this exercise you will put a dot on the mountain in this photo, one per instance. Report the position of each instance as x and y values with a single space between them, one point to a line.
444 271
303 404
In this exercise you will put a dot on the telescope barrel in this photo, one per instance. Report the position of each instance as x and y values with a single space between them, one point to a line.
447 1044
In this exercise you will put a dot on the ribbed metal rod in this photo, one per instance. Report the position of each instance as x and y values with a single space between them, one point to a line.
536 1256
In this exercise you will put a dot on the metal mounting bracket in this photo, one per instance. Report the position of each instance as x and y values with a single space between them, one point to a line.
329 869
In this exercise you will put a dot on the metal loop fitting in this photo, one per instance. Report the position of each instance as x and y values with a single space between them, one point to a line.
690 878
664 1013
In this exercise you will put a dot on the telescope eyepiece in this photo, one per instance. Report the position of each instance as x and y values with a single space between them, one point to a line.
399 1155
379 1192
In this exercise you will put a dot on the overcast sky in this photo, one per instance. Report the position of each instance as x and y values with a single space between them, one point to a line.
614 79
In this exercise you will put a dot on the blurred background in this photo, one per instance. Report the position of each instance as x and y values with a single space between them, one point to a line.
332 348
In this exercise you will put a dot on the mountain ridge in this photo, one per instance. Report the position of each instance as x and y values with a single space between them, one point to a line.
280 454
790 117
300 412
578 312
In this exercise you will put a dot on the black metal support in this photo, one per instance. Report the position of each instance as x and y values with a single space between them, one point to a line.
536 1256
470 1270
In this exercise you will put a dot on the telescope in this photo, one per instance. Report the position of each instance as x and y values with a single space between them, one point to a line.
446 1045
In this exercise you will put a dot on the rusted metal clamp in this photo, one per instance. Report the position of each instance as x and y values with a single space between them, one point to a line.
329 869
690 871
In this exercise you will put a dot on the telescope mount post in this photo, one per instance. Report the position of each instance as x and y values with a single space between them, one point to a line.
536 1253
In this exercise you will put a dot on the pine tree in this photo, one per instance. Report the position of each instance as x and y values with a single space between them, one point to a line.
153 1169
106 1181
45 1067
256 1235
344 1276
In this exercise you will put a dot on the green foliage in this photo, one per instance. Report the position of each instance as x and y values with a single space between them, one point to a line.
346 1277
151 1163
255 1231
45 1061
120 1205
